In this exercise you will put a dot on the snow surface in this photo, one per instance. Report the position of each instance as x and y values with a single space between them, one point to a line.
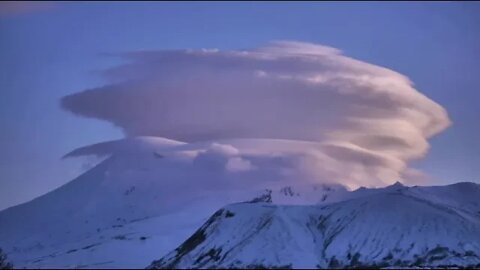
140 202
393 226
150 194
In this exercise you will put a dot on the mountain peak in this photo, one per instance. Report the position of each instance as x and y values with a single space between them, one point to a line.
397 184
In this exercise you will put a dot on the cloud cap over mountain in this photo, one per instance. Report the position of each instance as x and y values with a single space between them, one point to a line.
365 121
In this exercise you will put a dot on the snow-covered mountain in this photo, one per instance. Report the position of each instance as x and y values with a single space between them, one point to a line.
393 226
140 201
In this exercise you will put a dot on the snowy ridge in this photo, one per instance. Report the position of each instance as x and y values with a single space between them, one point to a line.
302 195
395 226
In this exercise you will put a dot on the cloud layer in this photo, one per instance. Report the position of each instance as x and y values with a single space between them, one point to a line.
359 124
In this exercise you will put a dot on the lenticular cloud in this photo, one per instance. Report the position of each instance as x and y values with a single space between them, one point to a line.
351 121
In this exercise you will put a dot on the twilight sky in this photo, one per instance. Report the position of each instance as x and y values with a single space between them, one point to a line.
49 51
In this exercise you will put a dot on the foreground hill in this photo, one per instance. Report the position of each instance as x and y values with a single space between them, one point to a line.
394 226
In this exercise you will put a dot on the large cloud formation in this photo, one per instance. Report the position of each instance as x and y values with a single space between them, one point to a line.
358 124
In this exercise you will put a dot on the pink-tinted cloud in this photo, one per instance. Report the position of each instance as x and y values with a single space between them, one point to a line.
361 123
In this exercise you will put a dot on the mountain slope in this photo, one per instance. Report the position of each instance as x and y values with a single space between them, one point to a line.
394 226
140 201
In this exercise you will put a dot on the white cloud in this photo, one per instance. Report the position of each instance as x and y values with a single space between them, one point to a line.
364 123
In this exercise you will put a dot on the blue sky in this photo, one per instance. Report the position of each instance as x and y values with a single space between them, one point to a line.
49 53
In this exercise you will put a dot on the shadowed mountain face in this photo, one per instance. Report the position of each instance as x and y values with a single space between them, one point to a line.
394 226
